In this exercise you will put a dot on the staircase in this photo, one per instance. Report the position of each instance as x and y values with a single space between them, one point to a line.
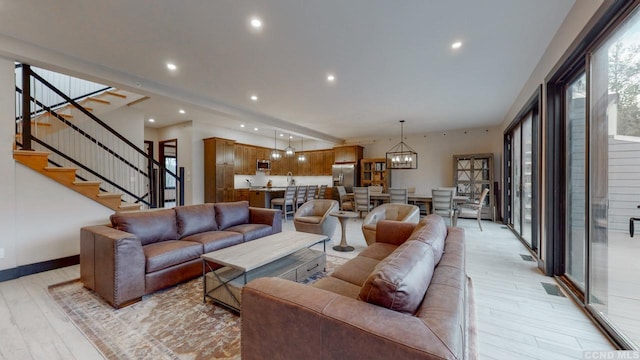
39 161
61 136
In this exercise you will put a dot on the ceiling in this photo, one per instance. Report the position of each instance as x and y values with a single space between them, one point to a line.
392 59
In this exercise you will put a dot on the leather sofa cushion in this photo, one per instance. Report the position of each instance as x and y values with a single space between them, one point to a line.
431 230
309 219
231 213
164 254
193 219
356 270
215 240
252 231
149 226
400 281
378 251
338 286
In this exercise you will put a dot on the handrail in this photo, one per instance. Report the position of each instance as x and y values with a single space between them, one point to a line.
83 133
95 119
138 199
38 112
121 151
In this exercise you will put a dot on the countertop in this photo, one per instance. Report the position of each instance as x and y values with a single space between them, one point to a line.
267 189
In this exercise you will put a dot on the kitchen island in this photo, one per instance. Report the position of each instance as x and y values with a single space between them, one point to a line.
262 196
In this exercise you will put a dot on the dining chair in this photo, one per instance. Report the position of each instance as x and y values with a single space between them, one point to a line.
424 211
398 196
362 199
322 191
301 196
346 201
474 210
442 204
311 192
284 202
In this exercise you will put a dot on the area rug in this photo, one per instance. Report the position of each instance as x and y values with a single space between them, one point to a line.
170 324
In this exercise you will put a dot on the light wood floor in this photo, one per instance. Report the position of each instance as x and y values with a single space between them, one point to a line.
516 318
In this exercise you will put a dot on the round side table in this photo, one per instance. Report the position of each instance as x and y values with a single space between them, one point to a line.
344 216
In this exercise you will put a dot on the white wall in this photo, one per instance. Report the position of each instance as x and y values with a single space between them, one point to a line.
129 122
183 132
41 219
574 23
7 179
435 155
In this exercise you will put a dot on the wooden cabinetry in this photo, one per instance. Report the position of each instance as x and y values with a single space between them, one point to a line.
219 168
348 154
472 174
328 162
242 195
374 172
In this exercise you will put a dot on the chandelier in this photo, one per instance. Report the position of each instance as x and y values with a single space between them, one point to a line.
289 151
301 157
402 156
275 154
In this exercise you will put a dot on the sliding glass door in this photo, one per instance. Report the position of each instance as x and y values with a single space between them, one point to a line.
575 252
521 167
614 179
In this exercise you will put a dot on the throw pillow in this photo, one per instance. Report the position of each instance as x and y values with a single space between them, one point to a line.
400 281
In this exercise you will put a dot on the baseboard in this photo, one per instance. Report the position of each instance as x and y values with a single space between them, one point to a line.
30 269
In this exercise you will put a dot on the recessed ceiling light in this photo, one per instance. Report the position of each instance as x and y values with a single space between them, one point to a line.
456 45
241 125
171 66
254 97
256 22
290 136
182 111
152 120
256 129
331 78
281 134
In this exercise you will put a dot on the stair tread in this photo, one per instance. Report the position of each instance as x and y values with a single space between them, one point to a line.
31 153
125 206
99 100
87 183
116 94
108 194
60 168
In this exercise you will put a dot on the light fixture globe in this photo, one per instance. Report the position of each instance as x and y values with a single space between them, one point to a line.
402 156
301 156
275 154
289 151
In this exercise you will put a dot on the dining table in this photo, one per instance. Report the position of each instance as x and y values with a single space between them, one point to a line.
416 198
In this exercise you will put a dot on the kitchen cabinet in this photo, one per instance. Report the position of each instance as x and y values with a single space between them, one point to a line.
329 159
219 168
242 194
238 160
262 197
348 154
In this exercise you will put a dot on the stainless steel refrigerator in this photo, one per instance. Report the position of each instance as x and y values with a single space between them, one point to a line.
345 175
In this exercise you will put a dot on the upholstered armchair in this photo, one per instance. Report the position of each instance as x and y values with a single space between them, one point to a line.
398 212
313 217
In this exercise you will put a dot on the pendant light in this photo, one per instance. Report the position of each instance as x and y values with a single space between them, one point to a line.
289 151
301 157
275 154
402 156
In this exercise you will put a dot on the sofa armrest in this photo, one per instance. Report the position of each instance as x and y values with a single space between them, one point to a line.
288 320
271 217
112 263
393 232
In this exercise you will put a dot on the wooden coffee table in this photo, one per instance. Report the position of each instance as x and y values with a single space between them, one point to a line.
285 255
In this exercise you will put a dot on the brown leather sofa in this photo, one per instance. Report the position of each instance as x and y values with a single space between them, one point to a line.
144 251
406 296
